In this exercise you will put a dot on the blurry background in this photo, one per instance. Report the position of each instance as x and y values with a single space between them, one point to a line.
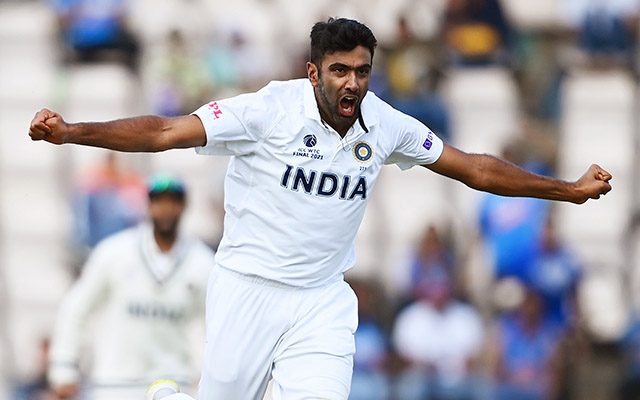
550 85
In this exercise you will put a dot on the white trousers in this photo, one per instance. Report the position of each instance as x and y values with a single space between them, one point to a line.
178 396
258 329
122 392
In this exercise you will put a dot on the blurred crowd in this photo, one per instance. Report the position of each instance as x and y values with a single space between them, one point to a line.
195 50
427 335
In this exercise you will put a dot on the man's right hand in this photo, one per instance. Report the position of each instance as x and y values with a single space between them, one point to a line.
67 391
49 126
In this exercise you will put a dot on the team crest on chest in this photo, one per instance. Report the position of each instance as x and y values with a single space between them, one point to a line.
363 151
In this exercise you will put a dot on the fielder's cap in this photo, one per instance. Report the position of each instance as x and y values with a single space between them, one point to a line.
166 183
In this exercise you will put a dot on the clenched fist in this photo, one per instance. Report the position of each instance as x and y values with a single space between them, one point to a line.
49 126
593 184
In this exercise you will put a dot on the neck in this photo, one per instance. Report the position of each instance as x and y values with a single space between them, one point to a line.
341 128
165 240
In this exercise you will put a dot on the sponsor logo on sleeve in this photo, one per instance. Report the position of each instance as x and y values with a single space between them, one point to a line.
215 109
428 142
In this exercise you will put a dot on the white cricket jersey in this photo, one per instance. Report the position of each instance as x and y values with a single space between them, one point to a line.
149 299
295 191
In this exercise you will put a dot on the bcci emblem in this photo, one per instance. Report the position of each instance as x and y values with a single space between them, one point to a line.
310 140
362 151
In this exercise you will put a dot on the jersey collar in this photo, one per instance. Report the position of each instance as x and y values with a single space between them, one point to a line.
367 118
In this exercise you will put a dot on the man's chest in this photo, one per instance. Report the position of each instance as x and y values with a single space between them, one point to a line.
316 160
139 294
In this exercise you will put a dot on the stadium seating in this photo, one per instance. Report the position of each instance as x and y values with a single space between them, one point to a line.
546 14
598 124
32 221
484 109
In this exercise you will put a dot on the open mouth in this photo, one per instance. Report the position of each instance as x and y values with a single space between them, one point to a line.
348 105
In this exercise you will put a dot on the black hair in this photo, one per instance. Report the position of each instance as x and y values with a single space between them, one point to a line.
176 195
339 34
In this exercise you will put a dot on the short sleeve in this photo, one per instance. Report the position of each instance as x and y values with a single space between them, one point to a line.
415 145
237 125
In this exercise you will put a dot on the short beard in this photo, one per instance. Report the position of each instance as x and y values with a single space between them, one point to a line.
329 108
166 232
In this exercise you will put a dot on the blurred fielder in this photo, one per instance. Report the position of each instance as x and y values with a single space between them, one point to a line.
305 156
150 281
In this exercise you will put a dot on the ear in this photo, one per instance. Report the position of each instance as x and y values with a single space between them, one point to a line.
312 73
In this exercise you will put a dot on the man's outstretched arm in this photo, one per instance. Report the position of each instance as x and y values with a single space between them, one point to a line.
137 134
490 174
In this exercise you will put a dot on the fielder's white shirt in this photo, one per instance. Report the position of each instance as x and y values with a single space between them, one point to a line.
148 298
295 191
445 339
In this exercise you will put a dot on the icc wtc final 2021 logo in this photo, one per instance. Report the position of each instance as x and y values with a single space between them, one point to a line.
310 140
363 152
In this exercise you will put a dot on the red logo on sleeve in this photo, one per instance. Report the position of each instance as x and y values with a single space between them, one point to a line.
215 110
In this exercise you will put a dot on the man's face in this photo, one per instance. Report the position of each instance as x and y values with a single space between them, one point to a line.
165 210
341 82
